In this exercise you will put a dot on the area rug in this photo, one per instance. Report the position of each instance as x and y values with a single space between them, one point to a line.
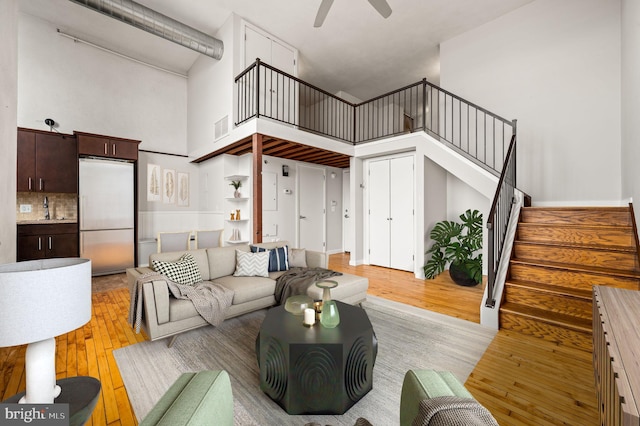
408 338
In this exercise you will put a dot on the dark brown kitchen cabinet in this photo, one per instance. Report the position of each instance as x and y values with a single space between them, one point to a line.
107 146
47 241
47 162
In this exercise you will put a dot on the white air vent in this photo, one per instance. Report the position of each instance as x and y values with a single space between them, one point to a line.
221 128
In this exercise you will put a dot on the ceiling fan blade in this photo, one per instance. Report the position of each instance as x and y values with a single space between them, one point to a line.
322 12
382 7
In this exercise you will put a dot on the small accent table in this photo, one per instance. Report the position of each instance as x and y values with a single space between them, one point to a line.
80 392
316 370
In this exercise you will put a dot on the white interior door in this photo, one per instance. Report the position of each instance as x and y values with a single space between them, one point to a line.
347 226
311 208
401 215
283 88
379 223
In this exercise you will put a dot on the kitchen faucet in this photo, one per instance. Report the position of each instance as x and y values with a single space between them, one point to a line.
46 209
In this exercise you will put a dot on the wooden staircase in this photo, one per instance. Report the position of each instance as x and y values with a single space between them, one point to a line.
558 255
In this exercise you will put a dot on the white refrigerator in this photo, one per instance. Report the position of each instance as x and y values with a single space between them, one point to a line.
107 212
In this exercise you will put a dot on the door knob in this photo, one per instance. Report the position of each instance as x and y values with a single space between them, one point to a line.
302 217
346 216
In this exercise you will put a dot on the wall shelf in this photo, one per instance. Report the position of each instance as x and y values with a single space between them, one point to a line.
238 228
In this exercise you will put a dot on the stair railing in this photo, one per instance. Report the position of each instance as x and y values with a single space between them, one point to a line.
634 227
498 220
265 91
472 131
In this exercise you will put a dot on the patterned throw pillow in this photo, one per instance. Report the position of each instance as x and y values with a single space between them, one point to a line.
251 264
183 271
297 258
278 257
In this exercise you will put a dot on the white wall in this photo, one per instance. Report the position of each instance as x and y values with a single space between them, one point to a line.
555 66
90 90
460 198
210 92
8 132
631 102
158 216
284 218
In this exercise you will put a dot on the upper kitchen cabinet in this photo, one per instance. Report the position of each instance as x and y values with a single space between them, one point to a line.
107 146
47 162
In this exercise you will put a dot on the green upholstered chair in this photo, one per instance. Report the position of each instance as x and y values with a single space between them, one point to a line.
422 384
194 399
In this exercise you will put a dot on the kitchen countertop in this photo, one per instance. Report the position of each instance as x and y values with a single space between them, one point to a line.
46 222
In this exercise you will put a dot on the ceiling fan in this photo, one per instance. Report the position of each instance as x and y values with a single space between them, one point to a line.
380 5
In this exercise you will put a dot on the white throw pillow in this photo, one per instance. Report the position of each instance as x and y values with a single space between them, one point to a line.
183 271
297 258
252 264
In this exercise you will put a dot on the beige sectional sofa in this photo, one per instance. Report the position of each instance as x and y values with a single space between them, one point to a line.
165 316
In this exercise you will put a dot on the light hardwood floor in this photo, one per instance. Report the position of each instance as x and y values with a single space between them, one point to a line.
522 380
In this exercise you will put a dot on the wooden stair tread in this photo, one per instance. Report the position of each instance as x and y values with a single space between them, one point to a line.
549 288
593 226
579 268
583 215
556 244
582 325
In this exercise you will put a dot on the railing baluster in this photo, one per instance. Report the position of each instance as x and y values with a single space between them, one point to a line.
384 116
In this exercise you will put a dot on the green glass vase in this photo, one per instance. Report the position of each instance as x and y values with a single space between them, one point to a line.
330 317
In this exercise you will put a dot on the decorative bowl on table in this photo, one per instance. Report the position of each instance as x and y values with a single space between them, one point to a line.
297 304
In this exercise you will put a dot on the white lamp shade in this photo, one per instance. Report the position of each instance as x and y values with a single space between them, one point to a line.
40 299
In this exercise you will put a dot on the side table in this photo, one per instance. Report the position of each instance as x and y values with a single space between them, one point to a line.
80 392
316 370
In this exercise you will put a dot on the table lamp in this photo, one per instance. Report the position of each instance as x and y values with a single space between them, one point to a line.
39 300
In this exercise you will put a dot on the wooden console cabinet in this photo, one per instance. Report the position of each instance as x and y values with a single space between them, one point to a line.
107 146
47 162
46 241
616 349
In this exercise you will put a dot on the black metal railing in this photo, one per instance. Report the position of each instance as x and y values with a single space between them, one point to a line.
265 91
472 131
498 220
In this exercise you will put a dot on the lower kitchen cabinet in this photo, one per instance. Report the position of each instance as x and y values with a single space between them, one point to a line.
47 241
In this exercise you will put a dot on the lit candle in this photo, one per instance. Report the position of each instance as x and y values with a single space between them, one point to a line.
309 316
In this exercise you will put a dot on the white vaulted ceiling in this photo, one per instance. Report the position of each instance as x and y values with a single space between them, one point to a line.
356 50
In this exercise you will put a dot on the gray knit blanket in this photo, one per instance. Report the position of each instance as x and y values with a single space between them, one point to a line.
297 280
210 300
453 411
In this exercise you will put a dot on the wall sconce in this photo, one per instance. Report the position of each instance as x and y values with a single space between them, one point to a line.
333 175
285 170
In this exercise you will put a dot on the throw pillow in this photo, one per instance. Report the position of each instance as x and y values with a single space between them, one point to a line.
184 271
297 258
278 257
251 264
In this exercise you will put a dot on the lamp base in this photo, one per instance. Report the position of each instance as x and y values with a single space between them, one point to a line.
40 370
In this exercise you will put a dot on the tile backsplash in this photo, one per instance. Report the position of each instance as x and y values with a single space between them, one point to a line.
61 206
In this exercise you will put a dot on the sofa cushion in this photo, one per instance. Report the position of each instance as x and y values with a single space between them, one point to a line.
248 289
222 260
297 258
251 264
184 271
200 256
278 257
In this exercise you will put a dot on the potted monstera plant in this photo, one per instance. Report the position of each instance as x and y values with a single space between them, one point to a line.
458 244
